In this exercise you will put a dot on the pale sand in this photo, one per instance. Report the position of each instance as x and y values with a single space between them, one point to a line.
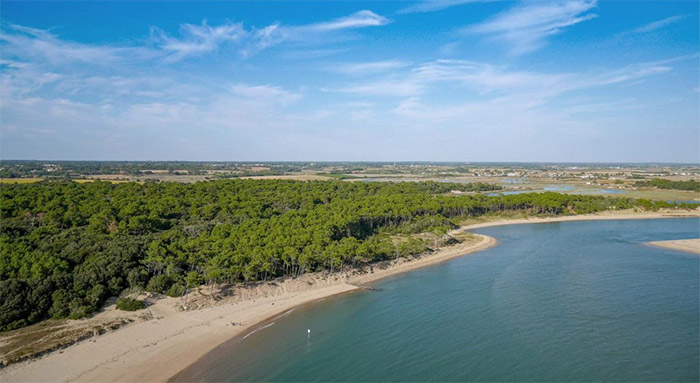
156 350
687 245
591 217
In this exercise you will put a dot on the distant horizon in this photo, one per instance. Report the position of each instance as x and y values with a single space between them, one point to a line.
402 162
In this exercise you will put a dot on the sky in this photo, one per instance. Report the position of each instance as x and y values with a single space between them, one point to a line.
454 80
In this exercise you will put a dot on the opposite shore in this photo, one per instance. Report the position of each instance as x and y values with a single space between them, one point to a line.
157 349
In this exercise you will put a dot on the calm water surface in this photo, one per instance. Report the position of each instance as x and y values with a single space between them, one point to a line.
574 301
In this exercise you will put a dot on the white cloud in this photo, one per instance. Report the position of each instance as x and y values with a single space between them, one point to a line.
359 19
491 86
30 45
191 124
63 99
526 27
483 77
318 33
366 68
267 93
309 54
36 45
197 39
659 24
437 5
389 87
601 107
629 73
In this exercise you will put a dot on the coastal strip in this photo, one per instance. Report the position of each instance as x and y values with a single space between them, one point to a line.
686 245
158 349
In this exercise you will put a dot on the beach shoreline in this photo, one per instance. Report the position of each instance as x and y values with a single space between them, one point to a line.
159 349
610 215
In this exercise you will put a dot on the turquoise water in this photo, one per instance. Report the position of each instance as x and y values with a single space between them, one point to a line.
559 188
511 192
574 301
600 191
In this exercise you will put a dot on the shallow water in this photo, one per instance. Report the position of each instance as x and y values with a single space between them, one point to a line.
569 301
561 188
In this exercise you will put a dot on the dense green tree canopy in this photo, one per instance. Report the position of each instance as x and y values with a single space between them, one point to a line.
668 184
65 247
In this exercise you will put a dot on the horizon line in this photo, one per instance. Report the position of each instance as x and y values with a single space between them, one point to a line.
366 161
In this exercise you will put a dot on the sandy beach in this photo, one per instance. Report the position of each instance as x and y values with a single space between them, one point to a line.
591 217
687 245
159 348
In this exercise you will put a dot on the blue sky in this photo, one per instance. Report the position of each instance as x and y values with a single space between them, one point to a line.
456 80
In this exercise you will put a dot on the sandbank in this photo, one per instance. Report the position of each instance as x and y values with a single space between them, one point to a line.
687 245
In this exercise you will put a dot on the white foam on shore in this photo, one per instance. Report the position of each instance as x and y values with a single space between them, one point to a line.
257 329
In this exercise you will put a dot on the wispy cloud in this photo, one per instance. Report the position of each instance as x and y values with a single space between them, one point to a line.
320 33
629 73
62 94
406 87
437 5
486 81
525 28
359 19
192 40
197 39
36 45
599 107
183 119
366 68
266 92
659 24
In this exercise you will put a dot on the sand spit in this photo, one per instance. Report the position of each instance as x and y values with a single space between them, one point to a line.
628 214
687 245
